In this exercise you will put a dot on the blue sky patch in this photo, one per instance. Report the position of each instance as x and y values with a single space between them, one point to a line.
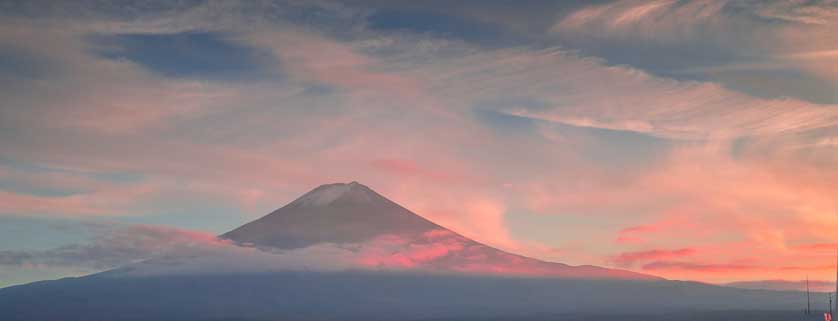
189 55
434 24
505 123
39 232
17 63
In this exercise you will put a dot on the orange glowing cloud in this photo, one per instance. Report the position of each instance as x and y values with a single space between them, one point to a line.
629 259
639 233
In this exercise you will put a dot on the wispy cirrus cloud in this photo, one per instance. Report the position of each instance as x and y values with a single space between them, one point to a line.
630 258
734 43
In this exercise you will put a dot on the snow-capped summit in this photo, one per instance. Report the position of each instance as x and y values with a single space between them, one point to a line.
325 195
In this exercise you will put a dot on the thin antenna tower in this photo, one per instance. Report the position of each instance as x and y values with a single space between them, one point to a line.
808 301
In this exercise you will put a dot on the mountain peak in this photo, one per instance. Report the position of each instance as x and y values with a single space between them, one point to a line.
331 213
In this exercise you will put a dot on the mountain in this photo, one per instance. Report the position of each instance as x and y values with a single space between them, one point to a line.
344 252
390 236
784 285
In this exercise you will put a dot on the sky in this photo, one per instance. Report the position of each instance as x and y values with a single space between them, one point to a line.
693 140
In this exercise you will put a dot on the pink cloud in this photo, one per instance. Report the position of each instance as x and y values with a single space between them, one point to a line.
631 234
817 247
396 252
673 221
156 237
402 168
629 259
696 267
749 211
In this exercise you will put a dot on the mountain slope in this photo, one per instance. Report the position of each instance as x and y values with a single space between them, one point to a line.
387 235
